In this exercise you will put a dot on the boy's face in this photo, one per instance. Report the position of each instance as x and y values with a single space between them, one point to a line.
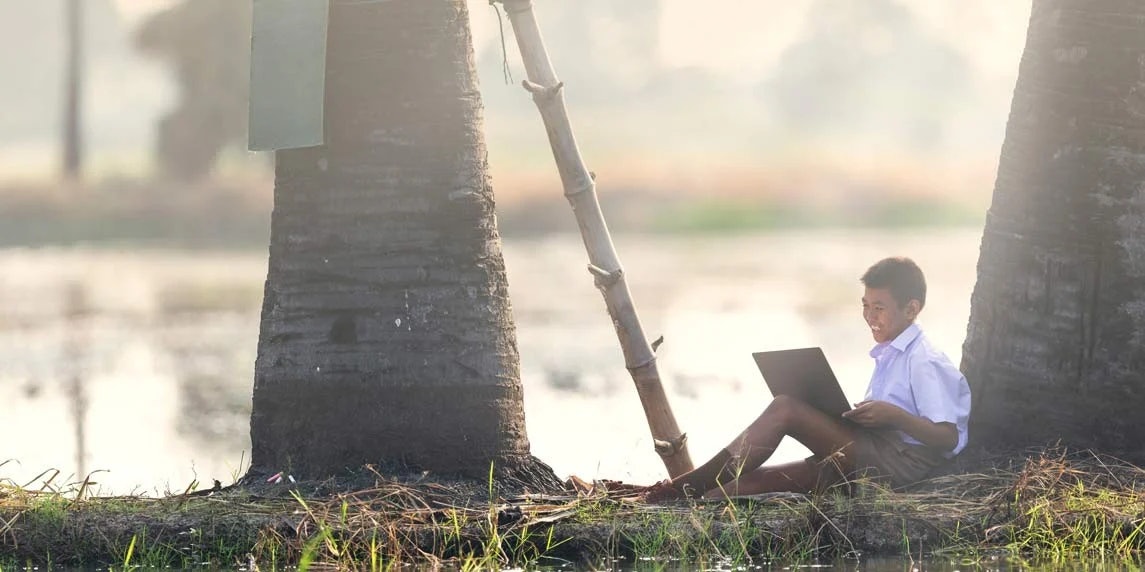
883 314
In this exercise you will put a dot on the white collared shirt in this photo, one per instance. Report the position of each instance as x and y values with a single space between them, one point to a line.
915 376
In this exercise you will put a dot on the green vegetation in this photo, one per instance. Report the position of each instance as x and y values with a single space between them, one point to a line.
236 214
214 213
722 216
1062 511
1052 508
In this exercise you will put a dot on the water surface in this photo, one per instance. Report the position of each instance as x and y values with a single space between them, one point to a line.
164 344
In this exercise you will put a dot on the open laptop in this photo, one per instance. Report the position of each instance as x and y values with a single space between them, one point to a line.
804 374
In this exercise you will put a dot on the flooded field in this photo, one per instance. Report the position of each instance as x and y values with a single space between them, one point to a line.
138 363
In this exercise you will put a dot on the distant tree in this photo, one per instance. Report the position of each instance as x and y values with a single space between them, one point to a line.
73 91
386 331
207 43
1056 343
860 64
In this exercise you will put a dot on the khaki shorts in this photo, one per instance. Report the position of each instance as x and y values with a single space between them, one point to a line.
883 454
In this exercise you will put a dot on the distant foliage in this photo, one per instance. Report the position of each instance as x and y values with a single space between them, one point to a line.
207 43
868 67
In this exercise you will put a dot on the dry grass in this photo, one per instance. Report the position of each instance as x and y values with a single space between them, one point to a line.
1053 506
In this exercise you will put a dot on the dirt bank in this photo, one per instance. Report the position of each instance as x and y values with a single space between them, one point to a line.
1054 503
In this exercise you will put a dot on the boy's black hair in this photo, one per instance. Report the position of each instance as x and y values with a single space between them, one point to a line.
901 276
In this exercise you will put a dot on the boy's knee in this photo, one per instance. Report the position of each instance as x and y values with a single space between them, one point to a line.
784 408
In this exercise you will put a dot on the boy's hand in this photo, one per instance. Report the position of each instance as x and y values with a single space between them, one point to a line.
875 413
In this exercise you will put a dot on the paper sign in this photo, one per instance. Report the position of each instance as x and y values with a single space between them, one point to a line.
287 73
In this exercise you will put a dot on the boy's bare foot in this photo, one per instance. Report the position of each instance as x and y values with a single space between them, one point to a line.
663 491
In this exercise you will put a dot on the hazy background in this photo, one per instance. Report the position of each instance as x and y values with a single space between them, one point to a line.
752 156
835 102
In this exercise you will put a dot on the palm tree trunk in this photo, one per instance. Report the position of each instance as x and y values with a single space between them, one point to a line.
1056 340
386 333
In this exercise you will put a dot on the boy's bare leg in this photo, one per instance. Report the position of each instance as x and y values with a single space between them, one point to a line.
824 435
796 477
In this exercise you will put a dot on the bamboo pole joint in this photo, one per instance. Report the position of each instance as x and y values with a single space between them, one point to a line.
541 92
646 363
603 278
572 192
666 448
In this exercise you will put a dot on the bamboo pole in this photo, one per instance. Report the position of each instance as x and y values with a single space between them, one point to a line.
580 190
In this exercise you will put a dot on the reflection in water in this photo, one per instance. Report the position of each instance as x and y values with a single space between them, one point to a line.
169 339
135 350
75 310
214 412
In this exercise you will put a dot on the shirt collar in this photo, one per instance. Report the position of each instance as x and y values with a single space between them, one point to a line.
903 341
900 343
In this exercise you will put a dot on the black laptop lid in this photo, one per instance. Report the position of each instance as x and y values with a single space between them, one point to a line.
804 374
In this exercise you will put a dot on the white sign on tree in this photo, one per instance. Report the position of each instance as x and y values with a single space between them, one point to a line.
288 74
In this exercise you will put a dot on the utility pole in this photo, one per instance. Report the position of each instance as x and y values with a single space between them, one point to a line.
73 87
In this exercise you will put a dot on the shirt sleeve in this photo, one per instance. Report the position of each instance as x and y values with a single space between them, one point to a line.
941 395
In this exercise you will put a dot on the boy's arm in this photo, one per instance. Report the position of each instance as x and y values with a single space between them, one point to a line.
943 436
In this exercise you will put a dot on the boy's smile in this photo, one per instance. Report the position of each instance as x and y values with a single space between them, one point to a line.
885 316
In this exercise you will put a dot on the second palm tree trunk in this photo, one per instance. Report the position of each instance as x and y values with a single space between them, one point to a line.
580 190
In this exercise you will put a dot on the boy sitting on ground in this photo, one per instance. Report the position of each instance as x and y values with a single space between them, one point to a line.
913 418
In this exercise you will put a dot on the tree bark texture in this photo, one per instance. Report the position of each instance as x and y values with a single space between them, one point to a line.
386 332
1055 348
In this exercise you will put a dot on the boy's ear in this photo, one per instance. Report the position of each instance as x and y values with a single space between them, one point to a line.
913 308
